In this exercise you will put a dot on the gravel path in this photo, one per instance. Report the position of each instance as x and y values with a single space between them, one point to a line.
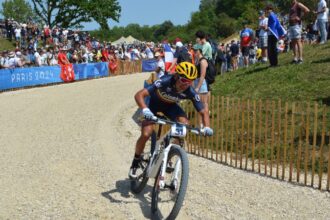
66 150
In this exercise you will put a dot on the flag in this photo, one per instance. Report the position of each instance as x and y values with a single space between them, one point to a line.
275 26
168 56
67 73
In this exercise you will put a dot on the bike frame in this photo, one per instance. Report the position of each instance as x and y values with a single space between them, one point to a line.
160 156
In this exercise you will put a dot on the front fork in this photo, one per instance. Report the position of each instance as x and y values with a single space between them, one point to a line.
174 178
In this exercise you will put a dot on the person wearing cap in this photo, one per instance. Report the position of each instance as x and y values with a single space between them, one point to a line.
13 61
160 70
200 84
263 35
181 54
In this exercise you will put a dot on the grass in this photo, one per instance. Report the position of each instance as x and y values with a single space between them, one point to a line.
309 81
6 44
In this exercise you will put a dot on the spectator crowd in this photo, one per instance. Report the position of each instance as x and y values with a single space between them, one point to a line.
41 46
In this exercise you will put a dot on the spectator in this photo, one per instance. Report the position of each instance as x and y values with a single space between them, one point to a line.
246 37
200 84
51 60
295 30
221 59
207 49
275 31
263 35
234 51
191 52
3 59
160 70
322 20
105 54
30 57
148 51
62 58
37 56
181 54
17 32
13 61
310 33
43 57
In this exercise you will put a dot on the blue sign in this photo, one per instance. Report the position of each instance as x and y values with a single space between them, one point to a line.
90 70
149 65
22 77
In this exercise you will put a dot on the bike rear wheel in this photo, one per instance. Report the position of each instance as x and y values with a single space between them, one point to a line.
166 203
138 184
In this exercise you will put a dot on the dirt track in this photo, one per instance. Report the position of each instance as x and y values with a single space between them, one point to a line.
66 150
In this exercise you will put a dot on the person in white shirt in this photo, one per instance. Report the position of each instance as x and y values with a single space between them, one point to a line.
13 61
37 58
160 70
263 35
148 51
18 36
322 19
44 57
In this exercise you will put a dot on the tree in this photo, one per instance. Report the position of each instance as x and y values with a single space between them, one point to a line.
19 10
71 13
162 30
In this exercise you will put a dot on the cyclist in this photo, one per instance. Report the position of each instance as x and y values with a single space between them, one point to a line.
165 94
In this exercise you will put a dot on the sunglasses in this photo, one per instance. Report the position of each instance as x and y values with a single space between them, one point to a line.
185 81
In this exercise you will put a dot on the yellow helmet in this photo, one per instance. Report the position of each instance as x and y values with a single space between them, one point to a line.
186 70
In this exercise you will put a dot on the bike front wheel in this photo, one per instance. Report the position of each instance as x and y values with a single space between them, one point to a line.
167 201
138 184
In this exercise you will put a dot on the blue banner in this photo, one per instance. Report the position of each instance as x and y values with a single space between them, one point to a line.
149 65
90 70
22 77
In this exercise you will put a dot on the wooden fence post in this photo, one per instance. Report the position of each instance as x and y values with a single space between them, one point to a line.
238 108
314 141
254 131
242 135
221 122
266 138
306 157
259 144
232 130
227 130
273 139
285 139
247 135
279 138
321 148
300 146
292 141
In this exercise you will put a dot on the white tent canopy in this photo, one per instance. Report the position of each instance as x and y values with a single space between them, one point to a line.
127 40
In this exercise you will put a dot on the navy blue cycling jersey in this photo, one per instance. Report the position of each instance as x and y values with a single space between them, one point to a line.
163 93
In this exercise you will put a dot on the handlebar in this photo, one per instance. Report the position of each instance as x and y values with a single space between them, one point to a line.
165 121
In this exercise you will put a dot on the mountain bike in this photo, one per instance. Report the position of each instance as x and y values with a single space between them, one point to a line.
167 163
